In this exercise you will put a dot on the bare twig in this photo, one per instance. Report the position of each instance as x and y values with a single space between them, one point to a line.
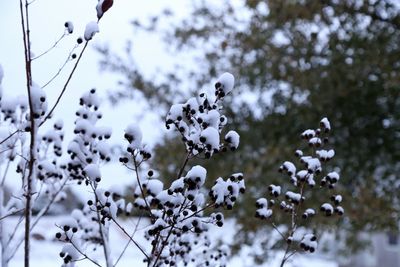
295 214
11 214
61 68
184 165
103 236
51 48
197 212
277 229
83 254
130 238
15 230
28 72
5 175
45 209
163 244
41 213
8 137
57 73
140 186
102 233
65 85
129 241
180 172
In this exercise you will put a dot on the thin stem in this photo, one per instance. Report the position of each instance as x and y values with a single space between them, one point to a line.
57 73
129 241
42 212
183 165
51 48
15 230
293 229
61 68
284 259
120 227
65 85
7 149
45 209
8 137
102 233
140 186
28 72
130 238
164 243
291 254
180 210
104 240
83 254
197 212
11 214
5 174
280 233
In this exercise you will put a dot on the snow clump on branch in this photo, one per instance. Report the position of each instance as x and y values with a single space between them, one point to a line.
91 29
303 178
176 212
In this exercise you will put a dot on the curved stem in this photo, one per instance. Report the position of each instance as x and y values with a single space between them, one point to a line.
51 48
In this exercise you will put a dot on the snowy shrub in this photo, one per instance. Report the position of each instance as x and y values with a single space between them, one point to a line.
35 152
307 179
177 212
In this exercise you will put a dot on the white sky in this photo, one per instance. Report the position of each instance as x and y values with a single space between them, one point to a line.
47 18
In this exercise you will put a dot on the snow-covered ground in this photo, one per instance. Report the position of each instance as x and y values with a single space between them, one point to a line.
45 248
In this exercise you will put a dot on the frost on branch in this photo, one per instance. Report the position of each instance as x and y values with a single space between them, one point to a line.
178 222
232 139
176 211
200 121
89 148
91 29
224 84
47 175
39 101
134 136
307 180
88 228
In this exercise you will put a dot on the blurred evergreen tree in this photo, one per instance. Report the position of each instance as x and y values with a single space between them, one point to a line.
302 60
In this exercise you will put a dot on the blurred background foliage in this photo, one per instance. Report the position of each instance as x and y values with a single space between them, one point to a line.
295 61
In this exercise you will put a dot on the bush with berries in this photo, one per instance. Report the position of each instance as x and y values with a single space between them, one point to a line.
308 178
179 213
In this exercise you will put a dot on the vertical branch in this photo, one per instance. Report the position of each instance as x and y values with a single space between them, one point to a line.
40 214
159 237
294 215
102 232
28 72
